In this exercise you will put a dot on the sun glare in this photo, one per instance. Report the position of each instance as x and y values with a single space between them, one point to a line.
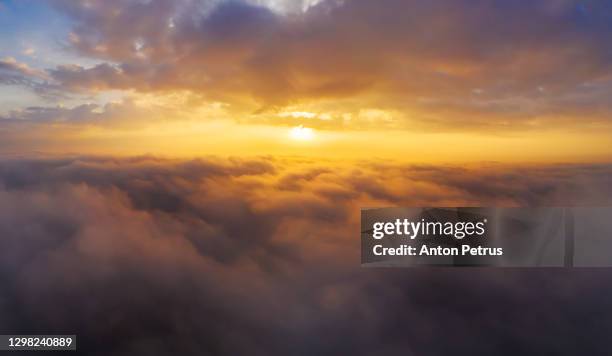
301 133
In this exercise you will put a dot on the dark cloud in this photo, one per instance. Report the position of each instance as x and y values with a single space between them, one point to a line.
260 257
83 112
14 72
126 114
468 58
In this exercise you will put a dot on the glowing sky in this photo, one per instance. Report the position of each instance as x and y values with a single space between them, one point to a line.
419 81
212 156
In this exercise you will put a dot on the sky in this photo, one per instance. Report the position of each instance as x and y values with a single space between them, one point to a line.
185 177
450 81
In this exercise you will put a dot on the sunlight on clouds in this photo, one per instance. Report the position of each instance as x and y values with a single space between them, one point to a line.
301 133
197 138
246 77
298 114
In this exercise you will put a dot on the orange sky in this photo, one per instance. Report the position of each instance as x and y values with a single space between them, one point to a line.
344 80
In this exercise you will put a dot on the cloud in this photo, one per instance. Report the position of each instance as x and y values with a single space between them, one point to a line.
223 256
453 61
14 72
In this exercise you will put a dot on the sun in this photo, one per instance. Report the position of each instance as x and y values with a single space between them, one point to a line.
301 133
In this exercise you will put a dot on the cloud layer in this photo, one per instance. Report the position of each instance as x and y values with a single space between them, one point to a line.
468 58
260 257
451 65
